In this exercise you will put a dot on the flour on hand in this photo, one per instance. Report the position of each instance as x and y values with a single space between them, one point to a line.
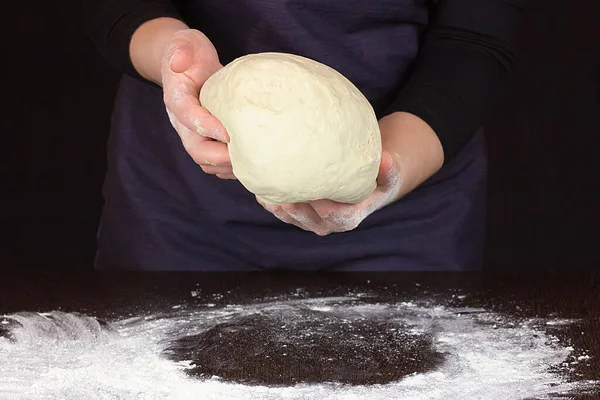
299 130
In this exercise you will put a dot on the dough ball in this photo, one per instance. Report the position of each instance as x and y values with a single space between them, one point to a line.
299 130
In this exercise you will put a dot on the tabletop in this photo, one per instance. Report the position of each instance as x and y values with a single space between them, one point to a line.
491 335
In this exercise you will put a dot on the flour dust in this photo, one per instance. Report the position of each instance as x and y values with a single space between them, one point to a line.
71 356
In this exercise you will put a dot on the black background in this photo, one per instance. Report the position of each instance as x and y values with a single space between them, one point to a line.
544 197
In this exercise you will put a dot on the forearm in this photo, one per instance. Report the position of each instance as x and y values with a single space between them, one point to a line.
414 146
147 46
467 54
111 25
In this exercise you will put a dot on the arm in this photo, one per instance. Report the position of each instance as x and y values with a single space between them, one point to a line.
111 25
148 46
467 54
148 40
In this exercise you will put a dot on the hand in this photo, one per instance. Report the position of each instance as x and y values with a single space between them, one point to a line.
189 59
326 216
412 153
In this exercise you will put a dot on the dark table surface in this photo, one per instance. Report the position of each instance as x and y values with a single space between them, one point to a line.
562 304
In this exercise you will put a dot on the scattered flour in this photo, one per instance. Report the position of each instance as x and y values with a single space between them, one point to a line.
487 357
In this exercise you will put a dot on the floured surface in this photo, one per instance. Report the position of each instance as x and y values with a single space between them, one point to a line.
485 356
299 342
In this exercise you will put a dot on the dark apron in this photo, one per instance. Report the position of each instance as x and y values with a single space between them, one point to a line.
163 213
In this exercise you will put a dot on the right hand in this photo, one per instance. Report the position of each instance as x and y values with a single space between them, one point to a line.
189 59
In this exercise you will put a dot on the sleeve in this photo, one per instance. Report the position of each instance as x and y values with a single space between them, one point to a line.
111 24
467 53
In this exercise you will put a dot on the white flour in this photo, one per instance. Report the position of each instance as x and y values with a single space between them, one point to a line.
488 357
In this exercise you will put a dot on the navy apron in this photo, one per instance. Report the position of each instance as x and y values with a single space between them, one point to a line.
163 213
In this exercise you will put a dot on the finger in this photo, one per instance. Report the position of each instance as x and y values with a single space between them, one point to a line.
280 214
278 211
260 201
388 185
192 54
327 208
304 214
284 215
181 99
180 55
307 218
209 153
388 171
340 216
388 175
181 91
172 119
208 125
230 176
217 170
204 151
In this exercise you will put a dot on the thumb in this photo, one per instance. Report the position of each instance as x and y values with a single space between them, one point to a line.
387 170
180 55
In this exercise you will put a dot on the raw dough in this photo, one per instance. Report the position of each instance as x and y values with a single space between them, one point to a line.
299 130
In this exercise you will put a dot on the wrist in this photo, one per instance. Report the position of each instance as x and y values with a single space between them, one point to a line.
414 146
147 46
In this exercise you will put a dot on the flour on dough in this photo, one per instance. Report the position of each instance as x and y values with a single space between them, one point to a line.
299 130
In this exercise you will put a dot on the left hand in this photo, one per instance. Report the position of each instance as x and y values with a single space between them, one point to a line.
326 216
189 59
411 153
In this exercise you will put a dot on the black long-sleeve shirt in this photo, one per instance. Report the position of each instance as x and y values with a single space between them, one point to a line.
466 54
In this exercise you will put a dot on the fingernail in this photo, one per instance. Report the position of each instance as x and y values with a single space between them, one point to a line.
172 57
215 133
391 162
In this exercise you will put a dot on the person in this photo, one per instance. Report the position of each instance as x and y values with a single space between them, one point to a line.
430 69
